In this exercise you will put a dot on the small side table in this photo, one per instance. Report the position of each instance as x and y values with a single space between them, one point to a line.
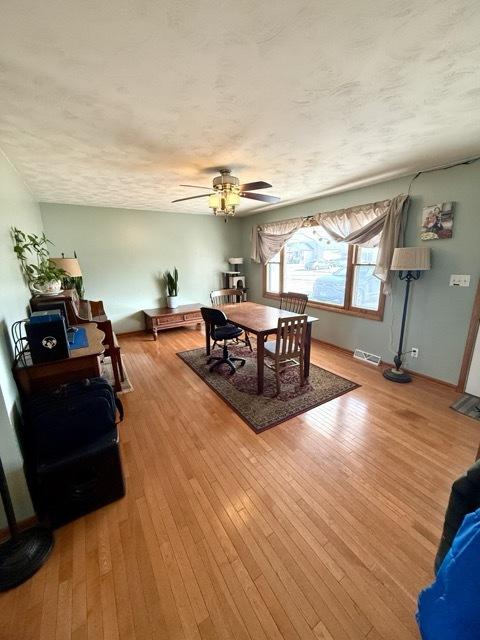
165 318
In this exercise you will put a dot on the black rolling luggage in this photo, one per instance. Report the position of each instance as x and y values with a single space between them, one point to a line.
78 484
71 417
73 463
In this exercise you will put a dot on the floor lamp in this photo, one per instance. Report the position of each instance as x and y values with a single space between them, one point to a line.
409 262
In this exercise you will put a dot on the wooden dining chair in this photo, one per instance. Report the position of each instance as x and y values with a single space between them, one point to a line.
229 296
288 350
294 302
226 296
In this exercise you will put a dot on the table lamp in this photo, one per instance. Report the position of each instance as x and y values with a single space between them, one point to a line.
69 265
409 262
234 262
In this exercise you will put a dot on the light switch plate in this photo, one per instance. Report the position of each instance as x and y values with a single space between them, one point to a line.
459 280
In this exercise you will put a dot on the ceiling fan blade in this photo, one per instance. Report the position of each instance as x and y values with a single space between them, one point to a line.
260 196
195 186
252 186
204 195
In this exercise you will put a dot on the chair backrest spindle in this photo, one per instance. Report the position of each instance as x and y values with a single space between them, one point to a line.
226 296
294 302
291 337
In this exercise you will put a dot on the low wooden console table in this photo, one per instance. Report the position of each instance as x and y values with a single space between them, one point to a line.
165 318
82 363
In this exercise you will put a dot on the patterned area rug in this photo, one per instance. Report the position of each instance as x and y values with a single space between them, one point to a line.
262 412
468 405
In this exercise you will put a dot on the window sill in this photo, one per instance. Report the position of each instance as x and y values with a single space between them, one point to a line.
358 313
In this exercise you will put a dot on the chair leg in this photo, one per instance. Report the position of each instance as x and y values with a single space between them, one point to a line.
228 361
217 363
225 359
277 379
231 365
120 365
116 376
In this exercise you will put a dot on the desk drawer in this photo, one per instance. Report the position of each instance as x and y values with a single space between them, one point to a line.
193 315
163 320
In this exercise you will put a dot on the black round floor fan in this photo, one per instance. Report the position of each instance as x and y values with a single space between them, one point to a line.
25 552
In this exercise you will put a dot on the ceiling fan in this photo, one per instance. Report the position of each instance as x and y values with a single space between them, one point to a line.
226 192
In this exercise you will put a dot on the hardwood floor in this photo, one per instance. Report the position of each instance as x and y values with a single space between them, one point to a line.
324 527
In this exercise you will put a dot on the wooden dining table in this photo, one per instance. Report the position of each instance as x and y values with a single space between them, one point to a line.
260 320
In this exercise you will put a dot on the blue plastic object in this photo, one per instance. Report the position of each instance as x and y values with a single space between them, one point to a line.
450 608
38 317
78 339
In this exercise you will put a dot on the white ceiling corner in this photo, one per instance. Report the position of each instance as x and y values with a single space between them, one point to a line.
115 103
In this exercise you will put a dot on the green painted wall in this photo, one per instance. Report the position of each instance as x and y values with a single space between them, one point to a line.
124 252
18 208
439 315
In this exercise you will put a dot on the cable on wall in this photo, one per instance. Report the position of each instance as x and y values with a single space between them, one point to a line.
448 166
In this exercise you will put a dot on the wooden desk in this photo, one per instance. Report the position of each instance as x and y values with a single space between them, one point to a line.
82 363
80 311
261 320
166 318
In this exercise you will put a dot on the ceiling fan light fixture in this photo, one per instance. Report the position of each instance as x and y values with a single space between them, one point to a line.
232 199
227 192
224 201
214 201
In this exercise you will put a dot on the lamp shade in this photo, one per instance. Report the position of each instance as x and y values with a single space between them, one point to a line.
411 259
232 199
235 260
69 265
214 201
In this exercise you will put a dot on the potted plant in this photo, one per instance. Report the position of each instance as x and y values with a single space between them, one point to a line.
42 276
171 280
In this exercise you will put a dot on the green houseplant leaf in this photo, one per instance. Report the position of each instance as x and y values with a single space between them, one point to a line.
171 281
28 246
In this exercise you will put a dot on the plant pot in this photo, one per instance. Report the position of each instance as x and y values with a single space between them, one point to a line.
172 302
49 288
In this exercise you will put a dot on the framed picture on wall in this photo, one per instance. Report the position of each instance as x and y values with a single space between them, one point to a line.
437 221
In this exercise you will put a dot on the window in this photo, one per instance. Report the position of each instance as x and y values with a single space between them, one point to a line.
366 288
273 274
334 275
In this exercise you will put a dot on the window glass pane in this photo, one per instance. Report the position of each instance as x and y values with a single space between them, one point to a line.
366 288
367 255
273 274
316 265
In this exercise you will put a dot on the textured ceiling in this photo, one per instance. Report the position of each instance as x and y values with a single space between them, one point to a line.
117 102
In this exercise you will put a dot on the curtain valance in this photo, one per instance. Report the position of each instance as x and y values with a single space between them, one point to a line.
375 224
270 238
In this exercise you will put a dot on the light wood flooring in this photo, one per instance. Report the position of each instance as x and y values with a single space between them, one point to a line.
324 527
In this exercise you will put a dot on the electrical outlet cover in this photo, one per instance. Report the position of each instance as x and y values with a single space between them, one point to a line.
457 280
